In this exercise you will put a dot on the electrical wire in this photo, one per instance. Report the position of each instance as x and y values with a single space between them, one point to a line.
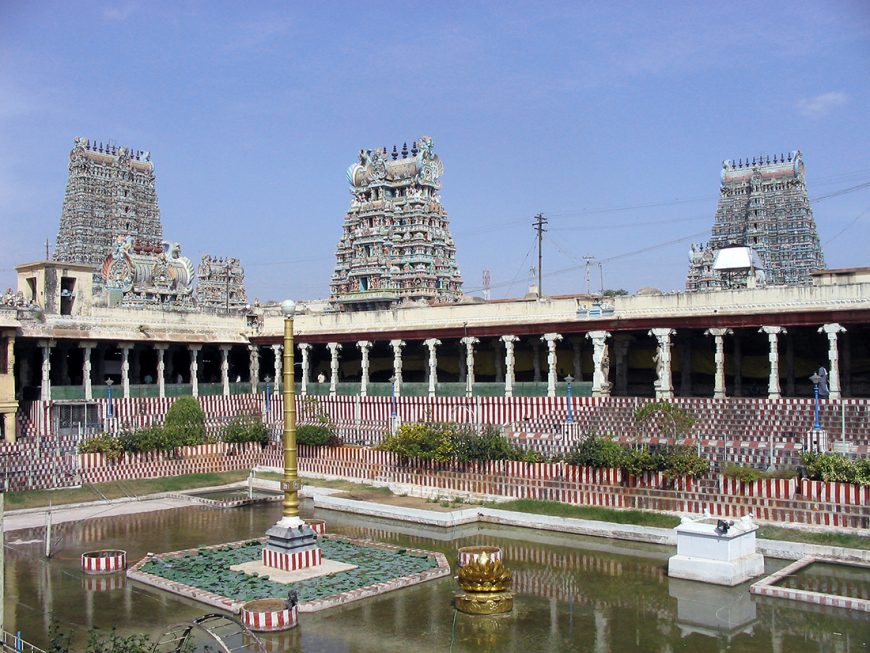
848 226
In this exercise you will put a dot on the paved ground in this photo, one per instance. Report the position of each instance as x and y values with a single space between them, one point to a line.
19 520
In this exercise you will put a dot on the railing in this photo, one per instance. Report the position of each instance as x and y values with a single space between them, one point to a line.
15 644
450 389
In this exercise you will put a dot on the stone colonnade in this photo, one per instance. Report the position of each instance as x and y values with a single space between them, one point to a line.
600 339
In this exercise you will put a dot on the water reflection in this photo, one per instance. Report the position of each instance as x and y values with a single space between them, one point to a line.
572 593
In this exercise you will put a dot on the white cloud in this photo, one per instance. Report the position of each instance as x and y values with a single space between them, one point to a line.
819 105
119 12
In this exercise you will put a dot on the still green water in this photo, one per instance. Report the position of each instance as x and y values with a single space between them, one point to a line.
572 593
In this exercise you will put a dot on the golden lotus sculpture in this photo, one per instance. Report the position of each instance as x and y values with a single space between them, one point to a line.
486 584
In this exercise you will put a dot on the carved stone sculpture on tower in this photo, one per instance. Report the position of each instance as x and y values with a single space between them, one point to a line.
110 192
763 205
396 246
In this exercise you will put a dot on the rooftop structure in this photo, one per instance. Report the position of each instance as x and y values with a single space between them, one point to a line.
763 205
110 193
221 283
396 246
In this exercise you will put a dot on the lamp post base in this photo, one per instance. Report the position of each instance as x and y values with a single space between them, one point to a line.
292 545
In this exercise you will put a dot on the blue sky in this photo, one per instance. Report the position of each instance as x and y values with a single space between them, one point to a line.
611 118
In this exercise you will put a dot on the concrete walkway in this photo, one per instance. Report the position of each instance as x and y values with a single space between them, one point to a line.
324 498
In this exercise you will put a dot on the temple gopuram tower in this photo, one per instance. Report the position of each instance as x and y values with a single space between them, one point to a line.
110 193
763 205
396 246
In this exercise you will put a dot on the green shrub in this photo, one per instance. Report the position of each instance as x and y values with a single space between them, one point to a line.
741 473
637 461
419 440
109 445
148 439
832 467
668 419
246 428
596 451
318 435
679 461
185 422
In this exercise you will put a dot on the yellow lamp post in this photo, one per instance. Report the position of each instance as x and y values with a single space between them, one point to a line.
291 543
290 485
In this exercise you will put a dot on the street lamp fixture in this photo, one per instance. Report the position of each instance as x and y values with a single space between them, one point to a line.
815 379
291 544
109 384
569 380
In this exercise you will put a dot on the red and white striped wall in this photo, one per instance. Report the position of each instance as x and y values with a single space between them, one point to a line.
257 618
292 561
104 562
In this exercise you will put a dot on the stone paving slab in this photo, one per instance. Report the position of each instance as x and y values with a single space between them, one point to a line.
325 568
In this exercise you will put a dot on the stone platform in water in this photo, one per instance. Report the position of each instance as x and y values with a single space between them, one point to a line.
326 568
213 574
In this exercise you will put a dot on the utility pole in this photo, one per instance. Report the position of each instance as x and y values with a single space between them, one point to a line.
588 263
538 224
46 249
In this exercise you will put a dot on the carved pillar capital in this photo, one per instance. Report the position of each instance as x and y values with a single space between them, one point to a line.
773 387
334 349
364 346
304 349
600 362
832 330
397 346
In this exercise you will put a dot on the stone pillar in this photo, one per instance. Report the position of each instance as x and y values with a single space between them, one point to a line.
278 351
600 363
160 350
304 348
364 346
536 361
87 347
719 334
469 342
552 340
125 369
663 385
621 342
577 360
254 367
194 369
432 343
9 426
225 369
773 389
397 363
334 348
834 356
509 364
45 389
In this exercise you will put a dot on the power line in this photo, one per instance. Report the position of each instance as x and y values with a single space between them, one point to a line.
848 226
